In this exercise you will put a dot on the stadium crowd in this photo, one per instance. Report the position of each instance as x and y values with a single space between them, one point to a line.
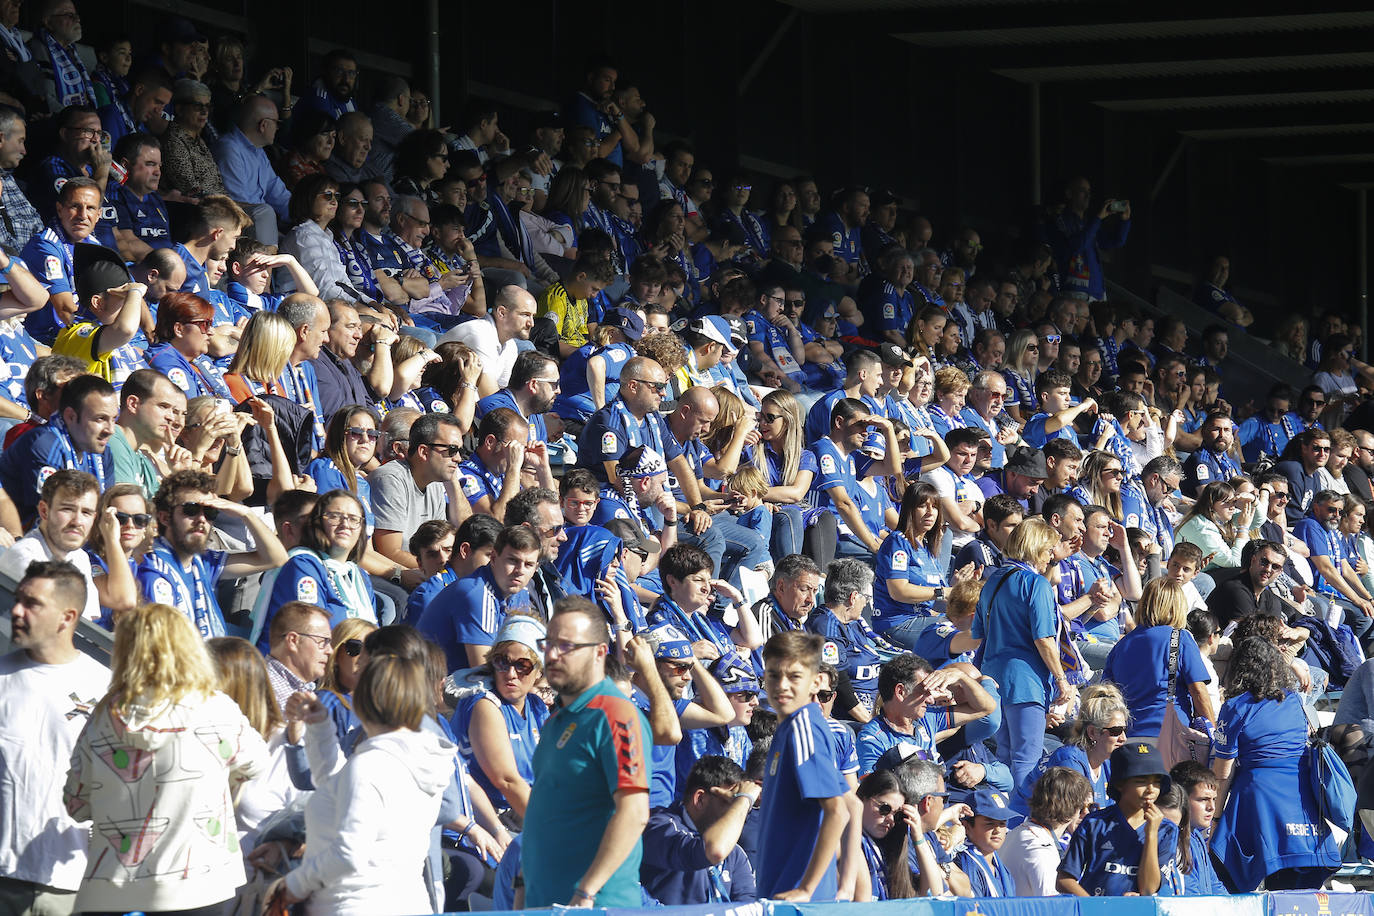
559 520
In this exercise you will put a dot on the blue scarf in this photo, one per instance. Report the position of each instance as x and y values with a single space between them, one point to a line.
583 559
360 276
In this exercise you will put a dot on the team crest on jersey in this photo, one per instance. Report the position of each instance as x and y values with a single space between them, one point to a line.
1201 471
830 653
162 592
567 735
608 442
308 590
43 474
828 464
177 376
899 561
52 267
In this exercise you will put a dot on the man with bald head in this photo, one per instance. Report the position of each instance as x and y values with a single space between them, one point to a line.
353 141
248 175
747 547
309 316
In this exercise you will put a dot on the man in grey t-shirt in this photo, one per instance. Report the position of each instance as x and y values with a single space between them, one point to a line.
407 493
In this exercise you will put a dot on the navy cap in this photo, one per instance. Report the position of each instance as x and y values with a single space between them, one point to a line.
1139 758
626 321
898 754
97 269
991 803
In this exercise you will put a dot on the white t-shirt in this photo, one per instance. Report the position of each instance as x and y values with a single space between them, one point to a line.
43 709
480 335
32 546
963 492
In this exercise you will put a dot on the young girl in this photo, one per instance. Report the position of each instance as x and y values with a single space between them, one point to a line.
1175 808
1203 626
986 831
1127 847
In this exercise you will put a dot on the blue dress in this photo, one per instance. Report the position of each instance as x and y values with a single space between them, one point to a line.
1270 821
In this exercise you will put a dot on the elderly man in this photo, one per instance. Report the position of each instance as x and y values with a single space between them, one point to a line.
309 317
338 381
248 175
795 593
298 638
354 136
65 79
24 221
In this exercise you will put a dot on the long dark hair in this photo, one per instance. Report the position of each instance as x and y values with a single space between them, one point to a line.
1259 669
894 845
916 495
312 533
334 440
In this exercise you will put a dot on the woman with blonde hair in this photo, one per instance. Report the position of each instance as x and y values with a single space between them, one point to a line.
210 435
162 744
790 468
1099 483
243 678
264 350
342 673
369 819
1099 729
1018 621
1139 663
1019 369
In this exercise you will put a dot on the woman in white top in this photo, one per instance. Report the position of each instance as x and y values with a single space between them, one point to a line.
368 823
1032 851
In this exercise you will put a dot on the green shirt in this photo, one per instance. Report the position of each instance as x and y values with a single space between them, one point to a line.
131 466
588 751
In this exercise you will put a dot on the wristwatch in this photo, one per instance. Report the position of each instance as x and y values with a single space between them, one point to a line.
700 507
395 577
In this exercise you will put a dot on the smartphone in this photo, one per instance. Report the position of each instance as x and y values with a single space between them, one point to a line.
223 405
1118 206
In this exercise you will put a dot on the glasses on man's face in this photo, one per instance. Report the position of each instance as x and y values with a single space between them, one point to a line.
553 383
446 450
138 519
1321 449
321 642
1279 496
197 510
352 647
85 133
659 387
1051 338
677 667
551 532
521 666
362 432
343 519
1316 403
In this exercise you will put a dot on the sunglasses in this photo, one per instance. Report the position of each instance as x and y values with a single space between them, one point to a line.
1051 338
196 510
449 450
521 666
678 667
362 432
329 195
745 696
884 809
659 387
202 323
352 647
140 519
770 417
824 696
1115 731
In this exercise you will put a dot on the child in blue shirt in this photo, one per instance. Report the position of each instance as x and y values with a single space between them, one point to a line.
986 830
1127 847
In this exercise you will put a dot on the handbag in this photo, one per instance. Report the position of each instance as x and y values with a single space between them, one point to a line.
1179 743
1331 784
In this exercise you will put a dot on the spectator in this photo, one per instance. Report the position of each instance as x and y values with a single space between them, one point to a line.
149 403
500 723
140 109
1333 574
49 688
163 707
1219 524
67 511
115 305
1141 662
448 555
212 234
313 135
65 79
390 127
609 801
422 486
299 648
181 569
78 210
1212 461
342 672
24 221
191 172
857 650
1097 731
918 706
393 698
140 216
352 144
464 617
182 334
909 577
1078 240
247 173
332 92
691 852
421 161
1022 653
1263 729
837 484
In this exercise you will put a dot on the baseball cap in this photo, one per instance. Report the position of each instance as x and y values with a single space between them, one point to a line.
97 269
641 461
523 629
734 674
1138 758
632 536
1028 461
627 321
882 197
712 327
991 803
898 754
668 642
893 355
739 334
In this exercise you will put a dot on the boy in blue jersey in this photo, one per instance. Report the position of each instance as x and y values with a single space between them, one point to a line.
1199 785
986 831
1054 388
250 276
1124 848
804 811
